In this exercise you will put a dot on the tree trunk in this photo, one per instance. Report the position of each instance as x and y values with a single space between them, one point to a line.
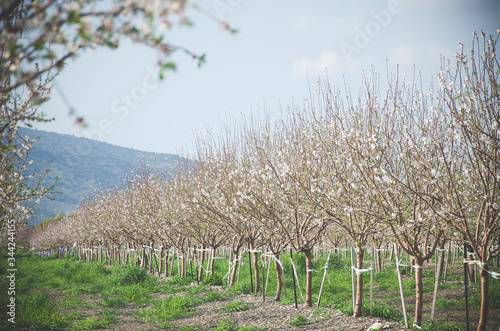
166 262
151 253
184 264
136 254
483 313
379 261
441 262
202 259
234 269
143 258
255 262
359 281
419 291
279 284
109 253
118 253
127 255
308 253
212 261
160 261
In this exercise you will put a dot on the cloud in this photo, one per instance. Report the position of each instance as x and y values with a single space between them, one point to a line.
332 61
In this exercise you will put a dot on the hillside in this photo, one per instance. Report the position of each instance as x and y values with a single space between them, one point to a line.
83 166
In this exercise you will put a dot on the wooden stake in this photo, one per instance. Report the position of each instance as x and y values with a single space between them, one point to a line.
400 280
283 276
230 267
250 262
323 280
293 277
172 266
263 274
267 277
466 283
371 281
195 256
240 262
447 260
436 283
353 280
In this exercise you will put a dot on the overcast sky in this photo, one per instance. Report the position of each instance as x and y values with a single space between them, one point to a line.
265 65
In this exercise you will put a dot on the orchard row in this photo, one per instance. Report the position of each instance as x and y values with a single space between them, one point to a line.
408 165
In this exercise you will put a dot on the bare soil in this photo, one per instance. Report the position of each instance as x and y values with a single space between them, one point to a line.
268 315
275 316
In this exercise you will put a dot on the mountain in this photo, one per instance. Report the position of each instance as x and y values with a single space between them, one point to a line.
83 166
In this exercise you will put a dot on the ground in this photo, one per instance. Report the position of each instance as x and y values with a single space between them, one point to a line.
267 315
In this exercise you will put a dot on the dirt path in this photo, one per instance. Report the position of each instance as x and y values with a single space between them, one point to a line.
274 316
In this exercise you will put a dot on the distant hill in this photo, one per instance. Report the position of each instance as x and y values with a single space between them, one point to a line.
83 167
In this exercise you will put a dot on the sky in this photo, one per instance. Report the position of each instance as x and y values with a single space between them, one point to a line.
281 48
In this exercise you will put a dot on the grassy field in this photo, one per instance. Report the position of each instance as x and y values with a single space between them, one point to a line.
65 294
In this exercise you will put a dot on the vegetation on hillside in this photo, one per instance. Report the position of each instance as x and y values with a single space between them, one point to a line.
83 168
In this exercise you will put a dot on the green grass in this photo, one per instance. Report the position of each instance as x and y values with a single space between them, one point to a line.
441 326
383 311
69 303
299 320
214 280
198 289
226 325
96 322
36 310
48 291
494 298
39 281
252 328
74 315
235 306
110 300
243 287
174 307
443 303
215 296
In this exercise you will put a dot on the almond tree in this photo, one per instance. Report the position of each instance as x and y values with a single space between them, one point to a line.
286 210
372 176
468 182
220 195
333 181
188 184
400 132
261 226
19 191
